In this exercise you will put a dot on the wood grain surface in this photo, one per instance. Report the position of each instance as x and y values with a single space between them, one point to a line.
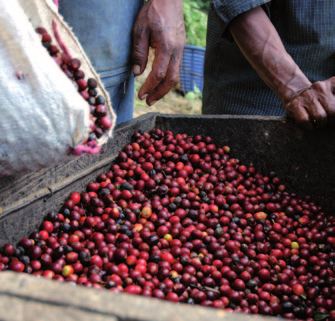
24 297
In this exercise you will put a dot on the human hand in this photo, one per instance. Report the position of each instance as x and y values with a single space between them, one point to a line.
314 107
160 25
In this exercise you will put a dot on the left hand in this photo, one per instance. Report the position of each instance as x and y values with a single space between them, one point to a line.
314 107
160 25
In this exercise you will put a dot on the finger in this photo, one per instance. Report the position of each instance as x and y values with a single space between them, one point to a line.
157 74
168 83
317 113
140 50
300 115
303 120
328 103
323 93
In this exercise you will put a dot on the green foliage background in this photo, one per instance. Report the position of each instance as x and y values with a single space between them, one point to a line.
195 15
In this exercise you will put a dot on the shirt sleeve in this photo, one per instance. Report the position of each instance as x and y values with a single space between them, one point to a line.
226 10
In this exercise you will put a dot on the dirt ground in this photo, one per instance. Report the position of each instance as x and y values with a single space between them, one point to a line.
172 103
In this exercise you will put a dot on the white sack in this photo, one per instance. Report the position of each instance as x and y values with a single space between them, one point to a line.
42 116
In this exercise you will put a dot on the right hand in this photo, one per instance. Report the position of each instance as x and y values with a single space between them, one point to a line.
160 25
314 107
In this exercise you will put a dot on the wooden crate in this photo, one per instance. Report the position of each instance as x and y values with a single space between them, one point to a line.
304 161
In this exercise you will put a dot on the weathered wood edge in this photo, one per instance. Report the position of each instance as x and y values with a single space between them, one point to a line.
104 303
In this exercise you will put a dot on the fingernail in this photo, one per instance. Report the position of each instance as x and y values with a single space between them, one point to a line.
153 102
144 96
136 69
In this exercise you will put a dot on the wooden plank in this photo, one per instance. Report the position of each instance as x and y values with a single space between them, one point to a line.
14 308
19 292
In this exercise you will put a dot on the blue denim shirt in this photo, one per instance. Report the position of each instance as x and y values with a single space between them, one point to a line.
103 28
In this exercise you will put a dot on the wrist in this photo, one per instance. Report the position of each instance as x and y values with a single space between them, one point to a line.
293 82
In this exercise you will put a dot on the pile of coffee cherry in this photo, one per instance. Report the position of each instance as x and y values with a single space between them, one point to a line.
100 122
176 218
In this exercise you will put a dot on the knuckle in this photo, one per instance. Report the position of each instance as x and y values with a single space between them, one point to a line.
179 44
137 52
160 75
138 56
291 108
139 33
170 45
326 104
173 81
301 119
318 85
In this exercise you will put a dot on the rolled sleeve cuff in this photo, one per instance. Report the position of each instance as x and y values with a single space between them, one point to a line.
226 10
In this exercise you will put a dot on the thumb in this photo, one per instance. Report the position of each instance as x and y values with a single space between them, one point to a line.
140 48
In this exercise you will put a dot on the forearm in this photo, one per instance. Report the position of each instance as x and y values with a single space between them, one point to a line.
260 43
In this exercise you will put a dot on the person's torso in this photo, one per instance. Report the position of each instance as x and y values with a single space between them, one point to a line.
307 29
103 28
